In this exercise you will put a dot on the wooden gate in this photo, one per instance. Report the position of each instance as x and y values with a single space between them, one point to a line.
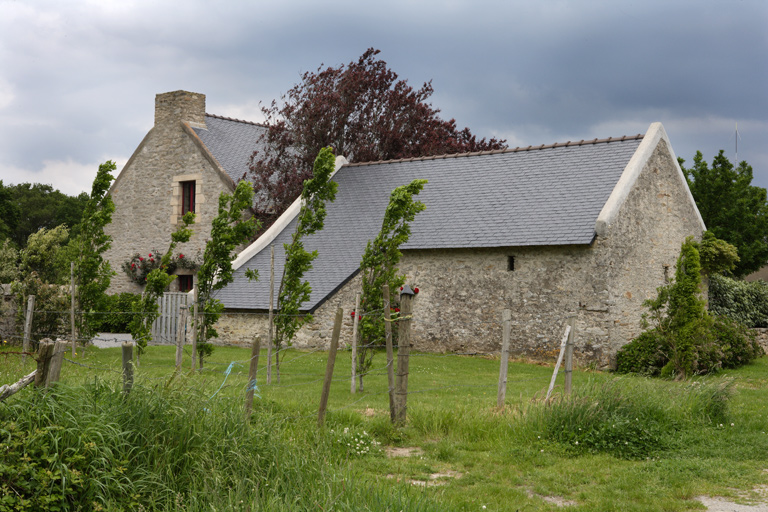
167 324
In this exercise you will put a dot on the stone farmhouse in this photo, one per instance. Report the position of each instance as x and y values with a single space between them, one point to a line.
184 163
587 229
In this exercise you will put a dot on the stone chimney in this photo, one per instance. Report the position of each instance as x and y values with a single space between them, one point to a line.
172 107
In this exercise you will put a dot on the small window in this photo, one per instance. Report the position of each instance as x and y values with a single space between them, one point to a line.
510 263
186 283
187 196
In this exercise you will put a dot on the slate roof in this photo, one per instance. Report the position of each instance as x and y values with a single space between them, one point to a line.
546 195
231 142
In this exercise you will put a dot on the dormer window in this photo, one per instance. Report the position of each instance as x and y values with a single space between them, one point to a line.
187 197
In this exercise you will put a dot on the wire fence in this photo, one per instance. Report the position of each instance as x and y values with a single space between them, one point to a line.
296 373
300 371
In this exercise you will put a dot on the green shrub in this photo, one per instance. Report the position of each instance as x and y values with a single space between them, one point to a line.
737 343
644 355
685 339
742 301
115 312
711 344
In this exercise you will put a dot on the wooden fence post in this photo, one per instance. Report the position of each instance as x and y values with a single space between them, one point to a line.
127 366
196 319
329 367
252 375
390 352
506 318
403 353
28 327
181 329
270 339
569 356
44 353
57 358
72 306
559 361
355 317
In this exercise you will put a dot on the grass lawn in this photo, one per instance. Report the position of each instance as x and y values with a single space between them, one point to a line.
655 445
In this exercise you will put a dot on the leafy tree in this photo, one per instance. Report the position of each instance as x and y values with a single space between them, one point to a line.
293 291
40 273
229 230
41 206
92 272
9 212
364 112
157 282
716 256
9 262
51 303
379 266
733 209
43 254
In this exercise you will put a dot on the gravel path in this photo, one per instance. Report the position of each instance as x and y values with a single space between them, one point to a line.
723 505
110 339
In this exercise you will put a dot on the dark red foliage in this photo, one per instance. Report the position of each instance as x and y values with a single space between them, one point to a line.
361 110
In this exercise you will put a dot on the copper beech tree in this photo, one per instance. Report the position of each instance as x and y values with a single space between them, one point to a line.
364 112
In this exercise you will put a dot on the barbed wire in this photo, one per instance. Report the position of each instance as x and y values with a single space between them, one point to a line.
93 367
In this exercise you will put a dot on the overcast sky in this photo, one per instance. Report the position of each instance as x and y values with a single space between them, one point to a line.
78 78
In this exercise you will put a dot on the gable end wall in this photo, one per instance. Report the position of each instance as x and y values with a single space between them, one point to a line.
146 196
639 249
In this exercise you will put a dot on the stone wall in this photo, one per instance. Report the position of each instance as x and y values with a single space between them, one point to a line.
8 312
762 337
240 327
146 193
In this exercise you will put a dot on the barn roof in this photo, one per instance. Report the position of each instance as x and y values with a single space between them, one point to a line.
535 196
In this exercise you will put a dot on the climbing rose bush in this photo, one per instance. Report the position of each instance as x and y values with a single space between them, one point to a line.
139 266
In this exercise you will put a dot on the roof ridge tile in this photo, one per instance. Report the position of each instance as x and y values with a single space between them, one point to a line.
225 118
500 151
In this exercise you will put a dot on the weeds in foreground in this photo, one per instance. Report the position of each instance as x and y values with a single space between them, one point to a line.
91 447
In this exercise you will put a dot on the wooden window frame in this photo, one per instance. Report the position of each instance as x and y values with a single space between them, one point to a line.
187 196
186 279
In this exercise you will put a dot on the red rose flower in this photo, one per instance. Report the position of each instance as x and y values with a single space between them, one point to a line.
181 256
415 290
150 255
141 259
401 288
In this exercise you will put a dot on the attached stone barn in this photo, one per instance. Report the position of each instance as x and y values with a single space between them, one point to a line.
587 229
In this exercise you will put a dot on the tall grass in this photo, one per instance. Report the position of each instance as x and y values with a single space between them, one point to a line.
629 418
92 448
